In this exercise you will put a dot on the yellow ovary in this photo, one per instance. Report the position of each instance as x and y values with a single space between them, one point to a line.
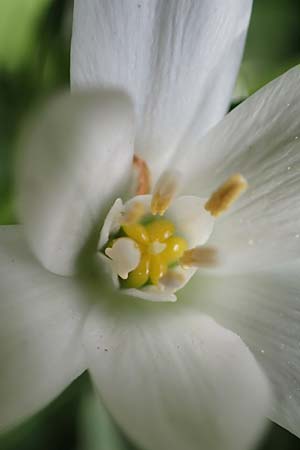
137 232
140 275
175 248
160 230
158 247
158 268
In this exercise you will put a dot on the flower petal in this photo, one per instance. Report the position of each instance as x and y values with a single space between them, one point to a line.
264 309
261 140
175 379
192 221
75 159
177 59
41 316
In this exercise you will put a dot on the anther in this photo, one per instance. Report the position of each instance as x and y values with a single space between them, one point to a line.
226 195
164 192
199 257
143 176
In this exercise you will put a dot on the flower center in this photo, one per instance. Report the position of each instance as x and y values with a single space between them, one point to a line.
159 248
153 244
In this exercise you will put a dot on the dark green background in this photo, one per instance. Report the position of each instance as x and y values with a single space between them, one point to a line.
34 62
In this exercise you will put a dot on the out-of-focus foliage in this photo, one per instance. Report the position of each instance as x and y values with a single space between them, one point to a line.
55 428
34 62
18 19
96 428
273 44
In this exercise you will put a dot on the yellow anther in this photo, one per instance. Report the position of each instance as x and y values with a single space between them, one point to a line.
137 232
158 268
199 257
160 230
139 276
164 192
175 247
134 213
226 195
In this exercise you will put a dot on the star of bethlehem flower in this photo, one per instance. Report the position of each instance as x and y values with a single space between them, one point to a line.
126 188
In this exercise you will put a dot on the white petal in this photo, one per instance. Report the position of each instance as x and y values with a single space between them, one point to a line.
125 256
151 294
41 317
192 221
174 379
74 161
264 309
261 140
111 223
178 60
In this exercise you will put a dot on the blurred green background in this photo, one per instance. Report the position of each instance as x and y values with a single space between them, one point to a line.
34 62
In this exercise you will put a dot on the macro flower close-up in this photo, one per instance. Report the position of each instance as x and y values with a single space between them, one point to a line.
159 234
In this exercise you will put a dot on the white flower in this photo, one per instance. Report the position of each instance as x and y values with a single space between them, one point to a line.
171 376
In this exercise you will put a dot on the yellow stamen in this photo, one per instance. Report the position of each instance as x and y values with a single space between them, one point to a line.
164 192
133 214
144 179
199 257
226 195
